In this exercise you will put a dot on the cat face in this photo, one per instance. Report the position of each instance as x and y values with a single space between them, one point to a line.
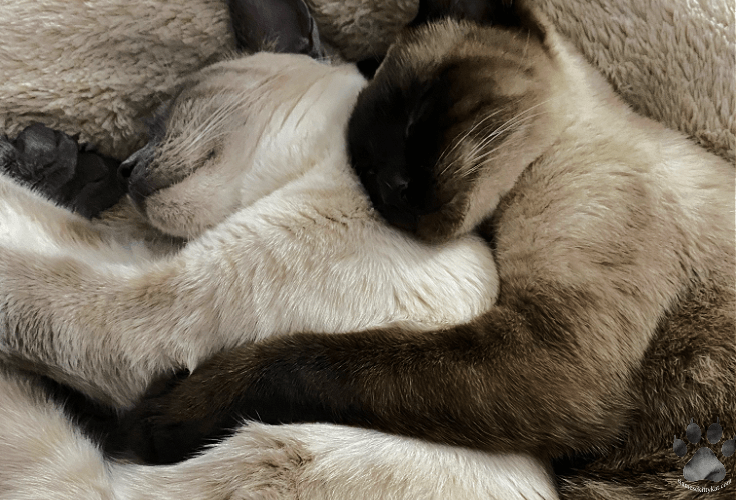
235 132
454 114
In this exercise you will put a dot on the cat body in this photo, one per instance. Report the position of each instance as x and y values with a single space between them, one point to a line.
615 249
258 227
297 216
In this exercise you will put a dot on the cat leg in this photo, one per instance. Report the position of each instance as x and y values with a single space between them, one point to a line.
107 328
547 369
29 222
44 167
42 454
319 461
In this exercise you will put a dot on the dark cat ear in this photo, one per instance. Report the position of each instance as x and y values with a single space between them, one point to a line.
501 13
287 23
369 66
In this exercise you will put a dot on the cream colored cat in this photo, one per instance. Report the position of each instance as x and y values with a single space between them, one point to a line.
252 170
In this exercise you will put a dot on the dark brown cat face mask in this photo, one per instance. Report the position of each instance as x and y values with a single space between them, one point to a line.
453 115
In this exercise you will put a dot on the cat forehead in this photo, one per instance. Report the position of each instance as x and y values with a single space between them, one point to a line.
450 42
252 84
238 87
254 71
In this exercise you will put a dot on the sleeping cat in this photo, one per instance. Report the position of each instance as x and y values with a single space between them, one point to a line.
615 248
263 228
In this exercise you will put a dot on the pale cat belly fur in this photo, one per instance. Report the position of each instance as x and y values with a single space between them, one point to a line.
295 246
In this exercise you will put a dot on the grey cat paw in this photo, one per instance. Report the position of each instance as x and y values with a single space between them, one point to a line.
52 163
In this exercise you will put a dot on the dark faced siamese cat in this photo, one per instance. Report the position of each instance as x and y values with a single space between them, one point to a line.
614 241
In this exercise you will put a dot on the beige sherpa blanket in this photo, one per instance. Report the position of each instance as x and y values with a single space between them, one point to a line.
95 67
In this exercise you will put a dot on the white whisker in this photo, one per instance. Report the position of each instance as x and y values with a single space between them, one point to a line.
479 154
463 136
515 121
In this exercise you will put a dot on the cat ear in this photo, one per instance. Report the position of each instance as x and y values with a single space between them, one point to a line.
501 13
287 24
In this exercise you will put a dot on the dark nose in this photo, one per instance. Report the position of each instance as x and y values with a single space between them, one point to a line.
125 170
392 186
391 198
133 173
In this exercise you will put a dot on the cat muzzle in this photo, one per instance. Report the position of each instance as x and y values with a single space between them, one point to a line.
133 173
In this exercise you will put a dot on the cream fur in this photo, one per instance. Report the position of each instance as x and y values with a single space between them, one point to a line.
95 67
295 247
283 240
42 455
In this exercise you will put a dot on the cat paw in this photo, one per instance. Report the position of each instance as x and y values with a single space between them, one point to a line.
42 157
52 163
154 433
8 154
704 464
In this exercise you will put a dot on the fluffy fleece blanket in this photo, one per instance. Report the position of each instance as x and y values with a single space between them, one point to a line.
94 68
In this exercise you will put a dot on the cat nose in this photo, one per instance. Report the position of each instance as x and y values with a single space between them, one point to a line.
394 203
392 186
132 173
135 164
125 170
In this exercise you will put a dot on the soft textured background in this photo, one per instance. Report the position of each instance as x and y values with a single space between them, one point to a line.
94 67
